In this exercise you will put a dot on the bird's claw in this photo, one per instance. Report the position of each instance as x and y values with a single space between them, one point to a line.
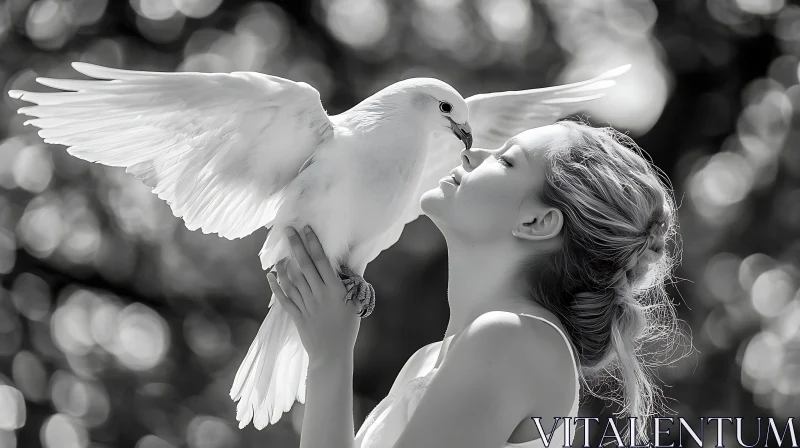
358 289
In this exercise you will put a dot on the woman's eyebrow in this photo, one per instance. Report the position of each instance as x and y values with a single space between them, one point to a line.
510 143
525 154
506 147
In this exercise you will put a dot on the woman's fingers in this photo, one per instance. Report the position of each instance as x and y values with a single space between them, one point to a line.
319 258
307 266
285 302
289 289
299 281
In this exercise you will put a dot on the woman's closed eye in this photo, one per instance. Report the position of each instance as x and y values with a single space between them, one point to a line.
503 159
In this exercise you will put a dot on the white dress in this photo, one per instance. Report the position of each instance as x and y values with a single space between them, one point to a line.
385 423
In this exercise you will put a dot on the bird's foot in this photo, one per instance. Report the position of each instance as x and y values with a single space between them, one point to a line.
358 289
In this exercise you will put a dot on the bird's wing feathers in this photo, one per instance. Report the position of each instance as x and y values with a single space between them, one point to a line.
494 118
219 148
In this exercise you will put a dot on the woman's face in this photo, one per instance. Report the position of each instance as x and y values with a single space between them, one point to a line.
483 198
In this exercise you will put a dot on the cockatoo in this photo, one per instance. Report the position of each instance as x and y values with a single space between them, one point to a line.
233 152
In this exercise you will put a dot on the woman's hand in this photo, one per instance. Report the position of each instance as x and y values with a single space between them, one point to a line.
310 290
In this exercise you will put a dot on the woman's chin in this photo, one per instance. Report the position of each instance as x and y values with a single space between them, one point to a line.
432 202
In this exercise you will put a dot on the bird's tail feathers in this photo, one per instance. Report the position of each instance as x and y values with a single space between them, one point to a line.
273 373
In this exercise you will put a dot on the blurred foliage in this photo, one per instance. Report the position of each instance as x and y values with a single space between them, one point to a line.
121 328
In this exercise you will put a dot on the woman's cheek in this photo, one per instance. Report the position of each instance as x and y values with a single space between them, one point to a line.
490 200
491 190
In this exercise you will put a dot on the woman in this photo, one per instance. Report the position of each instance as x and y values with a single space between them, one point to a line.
557 255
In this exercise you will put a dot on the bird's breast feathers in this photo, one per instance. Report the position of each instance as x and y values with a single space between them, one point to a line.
359 182
389 167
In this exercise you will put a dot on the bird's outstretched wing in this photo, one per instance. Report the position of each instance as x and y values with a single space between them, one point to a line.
218 148
494 118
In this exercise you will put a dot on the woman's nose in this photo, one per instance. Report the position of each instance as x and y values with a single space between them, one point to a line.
471 158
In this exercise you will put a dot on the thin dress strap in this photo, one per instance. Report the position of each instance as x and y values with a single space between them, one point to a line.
571 351
557 434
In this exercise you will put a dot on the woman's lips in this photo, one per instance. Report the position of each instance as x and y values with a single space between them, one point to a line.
448 181
455 176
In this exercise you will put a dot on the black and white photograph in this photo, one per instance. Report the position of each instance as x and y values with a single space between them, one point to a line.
399 223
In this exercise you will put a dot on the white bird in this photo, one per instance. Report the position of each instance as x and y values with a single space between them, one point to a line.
231 153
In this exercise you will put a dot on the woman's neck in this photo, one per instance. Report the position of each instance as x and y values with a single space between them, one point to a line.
481 278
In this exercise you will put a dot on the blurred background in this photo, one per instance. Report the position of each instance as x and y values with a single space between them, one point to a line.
121 328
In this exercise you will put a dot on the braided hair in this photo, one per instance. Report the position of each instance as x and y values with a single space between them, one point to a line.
606 280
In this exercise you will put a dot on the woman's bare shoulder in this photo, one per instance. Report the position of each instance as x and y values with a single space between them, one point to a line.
532 348
538 335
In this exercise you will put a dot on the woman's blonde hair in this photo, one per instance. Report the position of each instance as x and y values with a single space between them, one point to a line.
606 281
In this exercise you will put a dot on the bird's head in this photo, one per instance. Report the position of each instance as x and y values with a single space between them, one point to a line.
439 106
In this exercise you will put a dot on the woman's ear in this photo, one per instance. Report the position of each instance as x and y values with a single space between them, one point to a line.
538 224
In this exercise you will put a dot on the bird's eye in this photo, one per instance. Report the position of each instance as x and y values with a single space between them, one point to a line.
500 158
445 107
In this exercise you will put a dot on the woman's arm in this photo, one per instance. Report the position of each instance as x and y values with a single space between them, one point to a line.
314 296
328 415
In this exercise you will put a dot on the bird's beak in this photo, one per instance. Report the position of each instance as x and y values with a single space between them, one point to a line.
462 131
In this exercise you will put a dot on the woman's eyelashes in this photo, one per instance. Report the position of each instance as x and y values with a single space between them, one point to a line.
502 159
